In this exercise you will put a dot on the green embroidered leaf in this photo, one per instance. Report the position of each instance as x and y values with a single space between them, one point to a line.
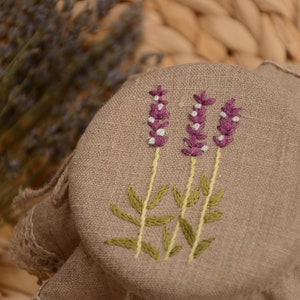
131 243
203 245
151 250
204 183
135 200
178 196
157 221
158 196
175 250
166 238
120 214
215 199
213 216
188 231
193 198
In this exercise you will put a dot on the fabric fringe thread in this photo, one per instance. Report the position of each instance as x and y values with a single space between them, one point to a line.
58 184
28 254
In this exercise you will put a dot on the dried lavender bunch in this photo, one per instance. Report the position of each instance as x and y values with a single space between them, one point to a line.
103 6
52 82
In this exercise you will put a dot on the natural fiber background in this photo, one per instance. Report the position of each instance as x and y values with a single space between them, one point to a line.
242 32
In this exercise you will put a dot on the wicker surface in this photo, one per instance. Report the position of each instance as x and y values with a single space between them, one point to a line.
242 32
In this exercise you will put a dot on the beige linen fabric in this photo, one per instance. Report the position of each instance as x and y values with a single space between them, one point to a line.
44 239
256 238
81 278
256 246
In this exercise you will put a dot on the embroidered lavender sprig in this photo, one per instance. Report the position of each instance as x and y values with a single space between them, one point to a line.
228 123
157 121
196 146
158 114
230 116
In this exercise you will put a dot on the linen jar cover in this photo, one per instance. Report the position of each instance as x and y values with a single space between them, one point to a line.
185 185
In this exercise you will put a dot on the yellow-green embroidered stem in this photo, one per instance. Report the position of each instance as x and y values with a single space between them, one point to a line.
184 205
211 187
145 204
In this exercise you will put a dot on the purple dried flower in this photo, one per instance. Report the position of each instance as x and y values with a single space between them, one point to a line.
158 113
228 123
197 116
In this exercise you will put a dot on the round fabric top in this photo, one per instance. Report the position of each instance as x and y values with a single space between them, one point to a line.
186 183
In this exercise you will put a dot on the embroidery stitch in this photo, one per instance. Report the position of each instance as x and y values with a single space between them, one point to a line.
120 214
158 113
194 148
144 210
131 243
184 205
193 198
135 201
188 231
158 197
158 139
198 117
202 246
167 241
215 199
204 183
151 221
212 216
178 196
228 124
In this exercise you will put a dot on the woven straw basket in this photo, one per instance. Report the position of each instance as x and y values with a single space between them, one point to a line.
240 32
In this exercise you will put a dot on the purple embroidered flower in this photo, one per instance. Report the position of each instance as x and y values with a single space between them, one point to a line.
228 123
159 110
155 125
230 110
223 140
158 113
196 129
158 138
203 100
158 93
193 142
227 126
197 116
